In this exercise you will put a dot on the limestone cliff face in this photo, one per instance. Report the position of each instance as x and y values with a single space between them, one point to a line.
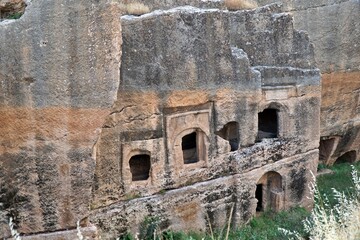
335 32
185 137
59 75
82 135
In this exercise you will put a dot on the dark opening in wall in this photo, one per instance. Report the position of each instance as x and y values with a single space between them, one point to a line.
230 132
269 192
267 124
325 149
189 148
140 167
348 157
259 197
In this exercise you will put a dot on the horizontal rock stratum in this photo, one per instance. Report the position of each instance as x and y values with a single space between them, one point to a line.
183 115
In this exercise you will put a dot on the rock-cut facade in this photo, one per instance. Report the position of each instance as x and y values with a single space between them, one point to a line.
217 113
189 116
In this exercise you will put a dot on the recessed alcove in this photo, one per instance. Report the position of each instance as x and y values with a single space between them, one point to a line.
268 124
140 167
188 138
230 132
348 157
268 192
189 148
326 148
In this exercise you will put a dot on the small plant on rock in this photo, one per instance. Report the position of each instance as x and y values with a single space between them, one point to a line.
137 9
234 5
148 229
133 8
338 222
14 234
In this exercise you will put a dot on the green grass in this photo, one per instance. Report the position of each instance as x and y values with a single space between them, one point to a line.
265 226
340 180
14 16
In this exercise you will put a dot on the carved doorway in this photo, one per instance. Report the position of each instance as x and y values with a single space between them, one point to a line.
269 192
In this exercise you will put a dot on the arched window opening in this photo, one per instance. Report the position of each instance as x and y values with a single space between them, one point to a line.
269 192
325 149
140 167
348 157
267 124
230 132
189 145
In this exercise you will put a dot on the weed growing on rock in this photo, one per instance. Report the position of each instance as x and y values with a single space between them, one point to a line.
13 231
338 222
220 236
234 5
79 233
137 9
149 228
133 8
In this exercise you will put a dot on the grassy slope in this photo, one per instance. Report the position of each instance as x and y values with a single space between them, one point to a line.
340 180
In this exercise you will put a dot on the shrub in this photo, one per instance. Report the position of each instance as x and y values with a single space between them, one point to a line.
148 228
338 222
234 5
134 8
137 9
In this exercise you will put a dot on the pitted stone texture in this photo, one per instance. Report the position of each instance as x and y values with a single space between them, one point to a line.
295 5
143 127
89 233
57 86
184 73
335 35
57 91
257 32
209 48
332 30
192 207
160 4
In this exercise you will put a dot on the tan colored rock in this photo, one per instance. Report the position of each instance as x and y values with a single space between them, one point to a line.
207 109
57 87
198 129
89 233
335 35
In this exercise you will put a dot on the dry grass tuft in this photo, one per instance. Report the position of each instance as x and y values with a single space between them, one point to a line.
339 222
234 5
134 8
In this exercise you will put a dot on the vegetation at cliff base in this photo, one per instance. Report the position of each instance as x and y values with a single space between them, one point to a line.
336 216
281 225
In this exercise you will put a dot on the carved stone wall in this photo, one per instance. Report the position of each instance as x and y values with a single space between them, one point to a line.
335 33
186 75
75 125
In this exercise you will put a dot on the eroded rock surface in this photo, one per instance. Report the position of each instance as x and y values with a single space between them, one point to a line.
210 110
59 78
335 33
199 91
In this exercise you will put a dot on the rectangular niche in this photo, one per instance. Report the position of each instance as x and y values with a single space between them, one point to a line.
188 138
142 164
